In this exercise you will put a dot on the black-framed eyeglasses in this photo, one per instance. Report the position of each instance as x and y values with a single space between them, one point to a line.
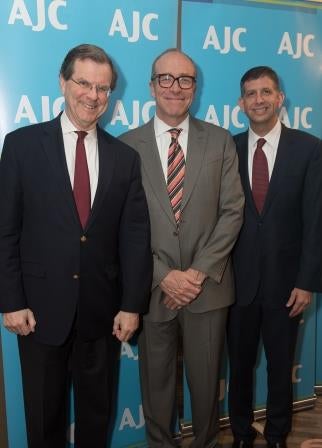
166 81
88 86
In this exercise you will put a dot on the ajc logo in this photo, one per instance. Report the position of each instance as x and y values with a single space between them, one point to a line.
26 111
128 420
300 117
127 350
230 116
300 45
230 40
118 26
296 379
19 11
119 113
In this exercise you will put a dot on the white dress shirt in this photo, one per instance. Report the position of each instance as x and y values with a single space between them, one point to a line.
269 148
163 138
91 149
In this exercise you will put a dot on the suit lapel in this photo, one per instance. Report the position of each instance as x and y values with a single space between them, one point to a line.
280 168
106 156
153 169
243 169
195 156
53 144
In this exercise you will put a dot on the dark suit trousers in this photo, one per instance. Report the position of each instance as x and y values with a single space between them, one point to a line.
203 336
246 324
46 374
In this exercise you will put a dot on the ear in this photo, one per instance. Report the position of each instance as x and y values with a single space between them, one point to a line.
241 103
62 83
152 90
281 99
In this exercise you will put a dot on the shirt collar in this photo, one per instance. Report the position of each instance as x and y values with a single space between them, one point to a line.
271 137
68 127
160 127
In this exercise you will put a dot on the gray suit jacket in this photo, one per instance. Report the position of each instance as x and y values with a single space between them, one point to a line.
211 213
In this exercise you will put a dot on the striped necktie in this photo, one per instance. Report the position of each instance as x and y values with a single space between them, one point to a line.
260 178
176 171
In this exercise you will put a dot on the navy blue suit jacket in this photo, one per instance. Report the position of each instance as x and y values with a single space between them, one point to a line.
282 248
45 264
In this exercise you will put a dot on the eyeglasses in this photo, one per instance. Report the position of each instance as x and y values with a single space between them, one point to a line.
166 80
87 87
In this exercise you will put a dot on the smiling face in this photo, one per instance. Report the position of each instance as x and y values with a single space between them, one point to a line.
84 107
172 104
261 102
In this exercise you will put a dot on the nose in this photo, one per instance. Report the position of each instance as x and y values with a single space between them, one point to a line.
92 93
175 86
259 97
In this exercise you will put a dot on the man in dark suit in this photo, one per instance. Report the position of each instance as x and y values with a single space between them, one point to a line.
195 199
75 260
277 257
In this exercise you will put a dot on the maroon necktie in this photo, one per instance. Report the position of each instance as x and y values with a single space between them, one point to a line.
82 190
176 170
260 179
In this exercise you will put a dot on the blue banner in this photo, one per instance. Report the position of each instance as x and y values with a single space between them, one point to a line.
225 38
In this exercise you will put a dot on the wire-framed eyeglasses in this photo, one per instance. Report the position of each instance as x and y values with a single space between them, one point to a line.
87 87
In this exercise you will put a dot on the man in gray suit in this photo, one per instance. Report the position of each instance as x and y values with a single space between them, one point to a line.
195 200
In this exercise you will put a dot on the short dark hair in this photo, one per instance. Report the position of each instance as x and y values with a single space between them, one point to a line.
171 50
86 51
258 72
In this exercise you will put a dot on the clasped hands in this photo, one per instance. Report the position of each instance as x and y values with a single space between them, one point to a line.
181 287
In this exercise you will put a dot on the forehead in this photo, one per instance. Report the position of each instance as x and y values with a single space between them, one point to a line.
91 70
175 63
260 83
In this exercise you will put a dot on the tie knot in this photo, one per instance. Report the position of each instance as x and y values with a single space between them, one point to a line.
175 132
260 143
81 134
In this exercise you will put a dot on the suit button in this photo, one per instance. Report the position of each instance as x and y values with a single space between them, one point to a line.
83 238
175 233
75 276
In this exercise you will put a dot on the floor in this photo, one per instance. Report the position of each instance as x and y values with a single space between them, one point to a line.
306 433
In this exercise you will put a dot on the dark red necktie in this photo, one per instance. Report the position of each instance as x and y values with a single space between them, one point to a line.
82 189
260 178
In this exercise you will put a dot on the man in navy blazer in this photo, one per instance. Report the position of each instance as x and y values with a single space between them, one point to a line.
277 258
69 289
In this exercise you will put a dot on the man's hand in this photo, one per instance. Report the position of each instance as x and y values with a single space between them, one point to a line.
171 303
21 322
125 324
298 301
196 275
181 288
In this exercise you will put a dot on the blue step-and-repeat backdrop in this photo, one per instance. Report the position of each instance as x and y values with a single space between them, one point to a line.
225 38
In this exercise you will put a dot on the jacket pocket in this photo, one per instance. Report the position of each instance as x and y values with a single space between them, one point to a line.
112 271
32 269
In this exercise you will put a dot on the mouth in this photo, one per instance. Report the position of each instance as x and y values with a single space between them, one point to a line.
174 99
89 106
260 109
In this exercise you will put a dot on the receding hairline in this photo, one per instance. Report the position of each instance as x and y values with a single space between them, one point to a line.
169 51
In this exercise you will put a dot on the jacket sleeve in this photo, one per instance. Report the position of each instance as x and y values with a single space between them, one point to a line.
11 221
212 258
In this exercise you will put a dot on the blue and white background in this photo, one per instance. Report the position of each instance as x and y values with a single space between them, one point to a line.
225 38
